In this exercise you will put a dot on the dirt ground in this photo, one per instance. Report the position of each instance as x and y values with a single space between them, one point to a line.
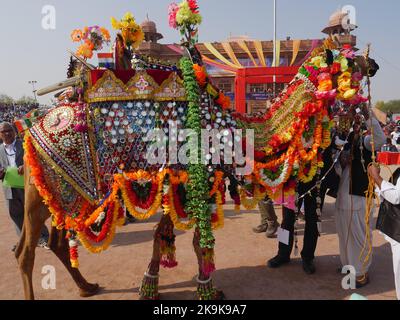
241 257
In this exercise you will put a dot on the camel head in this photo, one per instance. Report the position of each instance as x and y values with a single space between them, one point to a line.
337 73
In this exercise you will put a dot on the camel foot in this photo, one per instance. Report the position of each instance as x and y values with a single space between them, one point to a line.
155 297
214 295
89 291
149 288
206 291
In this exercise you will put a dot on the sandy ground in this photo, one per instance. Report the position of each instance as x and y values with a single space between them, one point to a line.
241 257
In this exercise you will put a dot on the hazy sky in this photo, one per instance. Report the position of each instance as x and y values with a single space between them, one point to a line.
28 52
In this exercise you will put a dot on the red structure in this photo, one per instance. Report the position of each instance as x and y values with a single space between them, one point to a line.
260 75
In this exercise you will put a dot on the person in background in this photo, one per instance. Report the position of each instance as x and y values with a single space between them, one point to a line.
269 221
391 193
389 147
395 136
351 199
12 155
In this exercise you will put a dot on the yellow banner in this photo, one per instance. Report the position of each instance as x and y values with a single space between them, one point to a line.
277 62
260 52
244 46
231 54
296 48
218 55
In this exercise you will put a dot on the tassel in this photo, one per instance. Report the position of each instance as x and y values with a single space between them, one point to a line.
167 244
73 253
208 265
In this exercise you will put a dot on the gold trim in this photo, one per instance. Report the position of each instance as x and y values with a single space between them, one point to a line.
91 136
115 82
173 78
133 89
129 91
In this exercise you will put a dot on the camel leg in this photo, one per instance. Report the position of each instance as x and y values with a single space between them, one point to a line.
149 287
36 213
59 245
34 217
205 287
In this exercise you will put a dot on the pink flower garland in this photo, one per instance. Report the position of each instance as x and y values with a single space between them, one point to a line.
173 9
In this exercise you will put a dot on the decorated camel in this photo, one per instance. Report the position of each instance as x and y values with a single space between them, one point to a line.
108 145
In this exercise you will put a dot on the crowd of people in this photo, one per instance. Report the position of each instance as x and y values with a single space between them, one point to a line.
10 112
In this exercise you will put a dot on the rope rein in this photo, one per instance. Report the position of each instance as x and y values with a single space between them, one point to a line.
370 193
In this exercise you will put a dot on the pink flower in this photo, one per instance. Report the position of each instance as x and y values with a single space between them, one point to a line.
349 53
312 71
172 11
326 94
357 76
358 99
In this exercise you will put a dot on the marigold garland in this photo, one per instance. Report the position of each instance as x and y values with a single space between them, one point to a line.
201 74
105 228
127 196
37 175
179 207
86 242
218 178
223 101
307 177
219 223
251 204
168 205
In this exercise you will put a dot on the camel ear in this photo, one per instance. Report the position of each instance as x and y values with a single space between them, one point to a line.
329 57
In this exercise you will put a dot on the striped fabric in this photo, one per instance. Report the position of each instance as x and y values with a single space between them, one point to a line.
106 60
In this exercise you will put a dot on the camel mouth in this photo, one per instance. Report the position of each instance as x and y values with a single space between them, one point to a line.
367 66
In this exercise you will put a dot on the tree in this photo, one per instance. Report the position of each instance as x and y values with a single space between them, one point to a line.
380 105
26 100
5 99
393 106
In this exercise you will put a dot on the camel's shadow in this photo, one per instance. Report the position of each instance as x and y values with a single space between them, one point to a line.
287 283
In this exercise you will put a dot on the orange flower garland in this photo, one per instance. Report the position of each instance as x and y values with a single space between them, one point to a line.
257 197
309 156
223 101
38 177
219 175
137 176
220 212
113 197
201 74
169 208
110 236
326 136
289 162
308 177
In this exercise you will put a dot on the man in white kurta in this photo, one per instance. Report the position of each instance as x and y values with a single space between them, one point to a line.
391 193
350 212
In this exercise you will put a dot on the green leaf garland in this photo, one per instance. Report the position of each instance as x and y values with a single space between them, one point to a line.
197 191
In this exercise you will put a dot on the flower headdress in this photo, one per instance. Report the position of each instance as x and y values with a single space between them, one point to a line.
92 38
131 32
186 18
